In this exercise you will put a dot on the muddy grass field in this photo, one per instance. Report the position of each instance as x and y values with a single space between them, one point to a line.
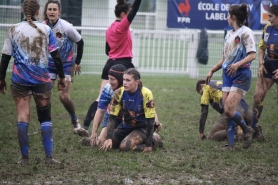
183 160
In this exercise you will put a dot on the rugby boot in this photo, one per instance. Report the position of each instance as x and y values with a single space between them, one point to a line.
51 160
248 138
259 133
23 160
76 126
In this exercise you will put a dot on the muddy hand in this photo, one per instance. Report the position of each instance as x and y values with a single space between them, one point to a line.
106 145
77 69
61 84
3 86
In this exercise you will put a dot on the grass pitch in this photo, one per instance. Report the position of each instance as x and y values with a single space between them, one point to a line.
184 160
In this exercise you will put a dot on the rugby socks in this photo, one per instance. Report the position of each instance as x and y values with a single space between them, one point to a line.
231 133
90 115
47 140
240 121
23 138
257 110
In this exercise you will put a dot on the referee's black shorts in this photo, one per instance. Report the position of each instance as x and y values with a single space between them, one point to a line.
127 62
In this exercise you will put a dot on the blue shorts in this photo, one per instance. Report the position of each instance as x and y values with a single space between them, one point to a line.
239 83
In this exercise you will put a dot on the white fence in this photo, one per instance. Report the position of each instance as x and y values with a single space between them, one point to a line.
156 52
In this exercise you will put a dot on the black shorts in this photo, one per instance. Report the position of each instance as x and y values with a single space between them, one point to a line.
127 62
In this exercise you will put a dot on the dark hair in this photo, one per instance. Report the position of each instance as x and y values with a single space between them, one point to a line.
199 83
135 74
122 6
241 14
273 9
46 6
29 8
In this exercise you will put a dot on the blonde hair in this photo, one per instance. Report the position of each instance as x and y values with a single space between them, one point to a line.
29 8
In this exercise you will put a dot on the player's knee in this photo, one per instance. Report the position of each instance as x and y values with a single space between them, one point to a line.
64 98
126 146
258 98
228 114
44 113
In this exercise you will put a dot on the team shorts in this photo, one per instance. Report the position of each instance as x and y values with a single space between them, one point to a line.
270 66
42 91
240 83
68 70
121 132
127 62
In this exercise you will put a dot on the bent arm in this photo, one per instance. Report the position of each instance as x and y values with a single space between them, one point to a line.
111 126
149 133
249 58
203 118
58 63
134 10
80 46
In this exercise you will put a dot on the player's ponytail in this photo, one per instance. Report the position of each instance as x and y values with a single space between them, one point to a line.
241 14
136 75
121 6
29 8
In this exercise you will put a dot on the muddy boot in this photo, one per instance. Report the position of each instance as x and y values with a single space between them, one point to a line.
248 138
259 133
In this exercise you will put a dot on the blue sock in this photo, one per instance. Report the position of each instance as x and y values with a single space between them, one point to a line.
46 128
231 132
240 121
23 137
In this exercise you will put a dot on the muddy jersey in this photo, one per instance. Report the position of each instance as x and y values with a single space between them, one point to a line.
66 36
119 39
269 42
212 94
236 46
30 50
136 107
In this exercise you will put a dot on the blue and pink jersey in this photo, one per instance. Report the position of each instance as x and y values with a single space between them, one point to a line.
119 39
66 36
30 65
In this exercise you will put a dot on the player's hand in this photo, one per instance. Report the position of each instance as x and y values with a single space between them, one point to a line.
202 136
77 69
148 149
3 86
62 84
106 145
209 75
261 70
275 76
157 126
94 139
232 70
